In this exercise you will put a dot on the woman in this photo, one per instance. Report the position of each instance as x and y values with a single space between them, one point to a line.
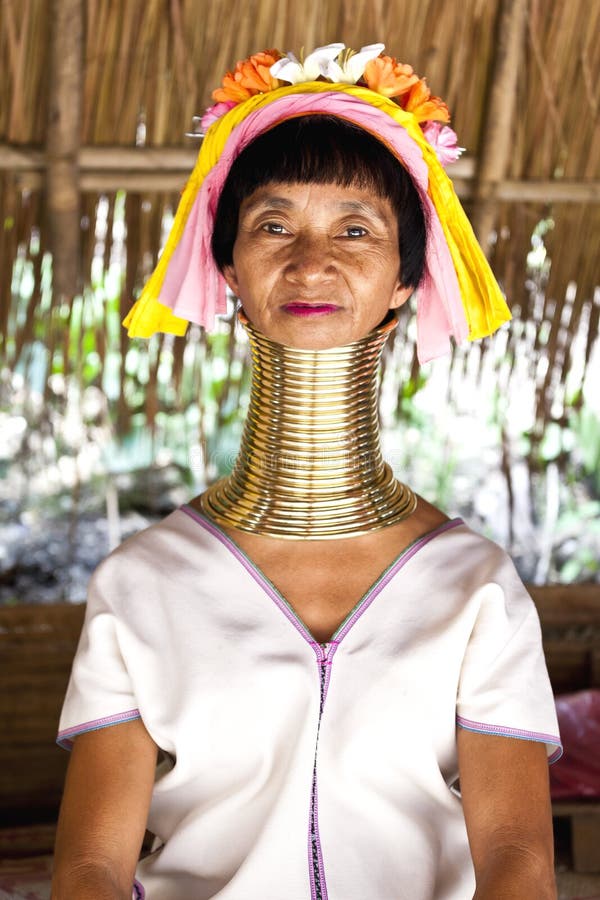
300 642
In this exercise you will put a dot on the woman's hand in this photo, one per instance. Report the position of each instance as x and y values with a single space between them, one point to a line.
103 813
506 802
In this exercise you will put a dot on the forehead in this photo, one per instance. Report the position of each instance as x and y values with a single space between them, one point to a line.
285 196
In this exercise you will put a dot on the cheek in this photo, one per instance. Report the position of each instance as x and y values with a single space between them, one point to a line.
244 277
380 265
254 268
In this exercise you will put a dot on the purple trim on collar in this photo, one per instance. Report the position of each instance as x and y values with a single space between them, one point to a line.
280 601
389 574
520 733
138 891
260 579
65 737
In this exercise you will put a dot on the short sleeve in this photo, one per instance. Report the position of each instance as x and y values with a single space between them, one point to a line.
504 688
99 692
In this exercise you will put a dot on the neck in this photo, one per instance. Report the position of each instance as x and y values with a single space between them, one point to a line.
310 463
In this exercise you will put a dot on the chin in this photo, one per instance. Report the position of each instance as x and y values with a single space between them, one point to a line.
315 343
312 336
302 334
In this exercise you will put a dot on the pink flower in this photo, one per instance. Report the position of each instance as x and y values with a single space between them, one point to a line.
215 112
443 140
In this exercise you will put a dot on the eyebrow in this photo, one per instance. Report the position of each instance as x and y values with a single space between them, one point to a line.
283 203
359 206
271 200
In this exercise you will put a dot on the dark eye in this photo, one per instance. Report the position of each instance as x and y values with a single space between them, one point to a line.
274 228
355 231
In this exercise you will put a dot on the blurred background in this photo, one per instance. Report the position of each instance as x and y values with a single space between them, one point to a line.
101 435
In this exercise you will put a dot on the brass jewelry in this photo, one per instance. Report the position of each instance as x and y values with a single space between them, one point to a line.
310 463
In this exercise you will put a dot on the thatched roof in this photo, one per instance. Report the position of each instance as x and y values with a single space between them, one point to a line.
86 83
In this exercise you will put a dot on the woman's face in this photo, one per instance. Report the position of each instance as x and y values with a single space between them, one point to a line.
316 265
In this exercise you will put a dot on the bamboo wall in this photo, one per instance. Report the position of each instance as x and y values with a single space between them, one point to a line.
96 96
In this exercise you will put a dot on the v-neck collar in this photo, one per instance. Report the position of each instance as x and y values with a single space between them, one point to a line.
288 610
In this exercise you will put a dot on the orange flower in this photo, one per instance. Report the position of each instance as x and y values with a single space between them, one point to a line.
251 76
231 89
424 106
389 77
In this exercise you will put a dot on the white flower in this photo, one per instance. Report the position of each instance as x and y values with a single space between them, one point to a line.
351 66
290 69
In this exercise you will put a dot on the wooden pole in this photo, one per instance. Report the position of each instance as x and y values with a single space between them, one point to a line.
62 144
147 169
497 135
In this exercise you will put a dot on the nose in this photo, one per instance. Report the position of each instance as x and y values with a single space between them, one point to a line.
310 260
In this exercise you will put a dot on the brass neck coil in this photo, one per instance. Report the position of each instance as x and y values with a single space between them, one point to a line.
310 463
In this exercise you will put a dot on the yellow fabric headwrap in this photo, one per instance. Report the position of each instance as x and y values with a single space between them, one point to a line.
484 305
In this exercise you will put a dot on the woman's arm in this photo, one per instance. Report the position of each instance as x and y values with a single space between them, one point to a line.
506 802
103 813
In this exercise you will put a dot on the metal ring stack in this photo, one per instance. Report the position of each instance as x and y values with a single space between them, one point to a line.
310 463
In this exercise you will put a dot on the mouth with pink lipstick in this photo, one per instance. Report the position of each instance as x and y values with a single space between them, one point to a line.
303 308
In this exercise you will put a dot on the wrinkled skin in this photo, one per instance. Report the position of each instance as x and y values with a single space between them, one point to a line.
314 243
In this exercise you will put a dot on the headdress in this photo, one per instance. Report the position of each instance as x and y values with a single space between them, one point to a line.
459 295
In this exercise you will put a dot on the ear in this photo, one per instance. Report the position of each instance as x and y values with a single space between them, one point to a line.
231 279
400 295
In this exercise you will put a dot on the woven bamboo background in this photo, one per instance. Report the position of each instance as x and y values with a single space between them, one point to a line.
149 65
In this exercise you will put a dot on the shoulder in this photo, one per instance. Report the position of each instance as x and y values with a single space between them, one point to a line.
463 556
427 516
158 550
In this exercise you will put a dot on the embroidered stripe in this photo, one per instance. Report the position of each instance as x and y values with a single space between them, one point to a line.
324 654
519 733
65 737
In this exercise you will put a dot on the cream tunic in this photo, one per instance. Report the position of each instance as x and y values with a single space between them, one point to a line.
298 771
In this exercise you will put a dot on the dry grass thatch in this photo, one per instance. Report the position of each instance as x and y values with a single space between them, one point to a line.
149 65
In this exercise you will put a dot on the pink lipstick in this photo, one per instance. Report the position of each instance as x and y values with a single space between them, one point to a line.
310 309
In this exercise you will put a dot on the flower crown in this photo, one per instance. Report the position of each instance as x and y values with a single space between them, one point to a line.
368 67
458 296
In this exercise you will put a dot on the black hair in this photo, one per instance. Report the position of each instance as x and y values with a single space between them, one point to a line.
323 149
